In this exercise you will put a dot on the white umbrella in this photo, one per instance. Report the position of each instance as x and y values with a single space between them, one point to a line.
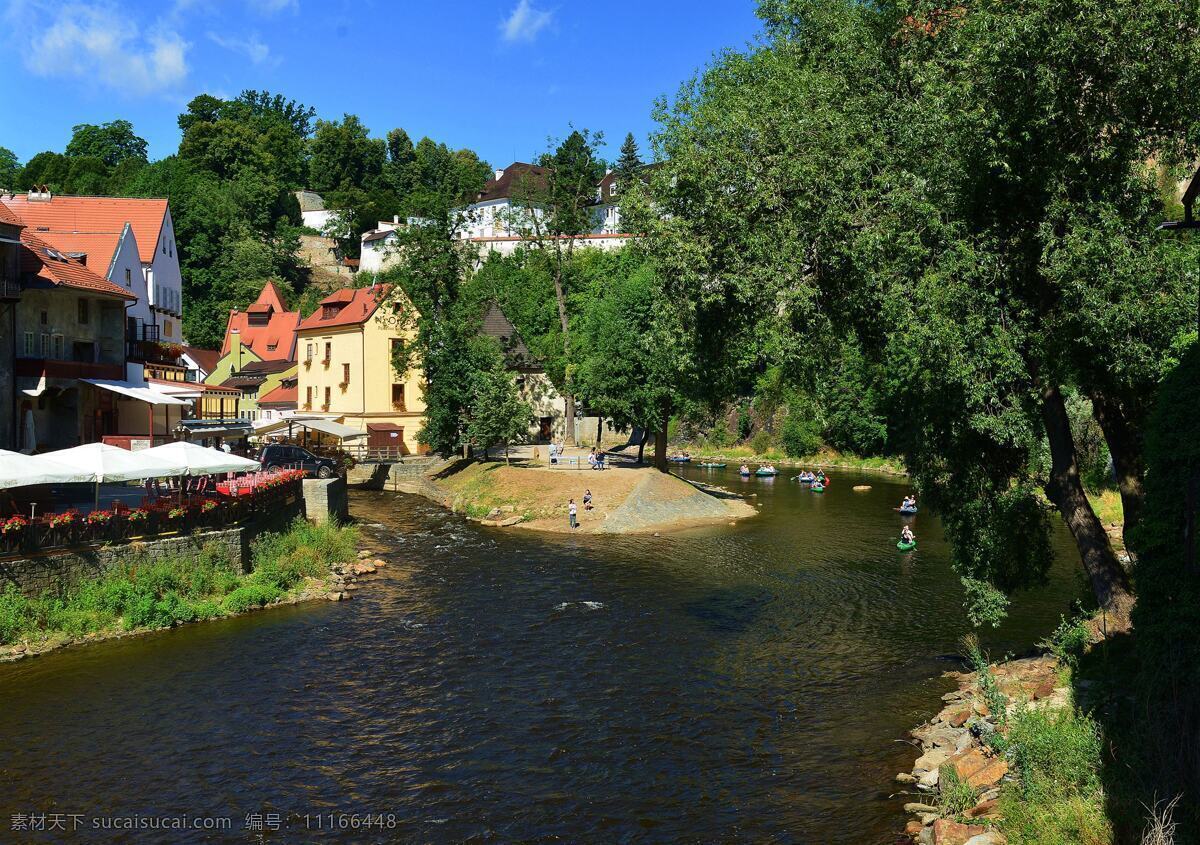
111 463
201 461
18 470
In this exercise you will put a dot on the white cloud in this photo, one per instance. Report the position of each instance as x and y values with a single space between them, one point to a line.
525 22
250 47
94 42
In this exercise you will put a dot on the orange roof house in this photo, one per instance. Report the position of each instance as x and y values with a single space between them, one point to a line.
93 226
50 265
266 328
346 307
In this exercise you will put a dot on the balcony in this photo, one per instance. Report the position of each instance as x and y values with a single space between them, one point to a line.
10 288
153 352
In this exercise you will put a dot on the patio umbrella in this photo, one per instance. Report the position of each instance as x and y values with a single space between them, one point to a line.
18 470
112 463
201 461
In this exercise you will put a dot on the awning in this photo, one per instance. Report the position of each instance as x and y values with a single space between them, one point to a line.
200 429
333 429
17 470
201 461
38 390
134 391
180 391
384 427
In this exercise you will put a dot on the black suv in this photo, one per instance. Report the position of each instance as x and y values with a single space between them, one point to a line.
289 457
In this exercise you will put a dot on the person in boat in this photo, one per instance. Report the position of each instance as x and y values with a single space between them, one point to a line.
909 503
745 470
907 536
820 476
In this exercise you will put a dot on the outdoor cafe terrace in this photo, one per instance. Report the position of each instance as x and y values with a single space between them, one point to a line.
98 494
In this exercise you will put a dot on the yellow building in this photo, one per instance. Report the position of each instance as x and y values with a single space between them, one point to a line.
345 351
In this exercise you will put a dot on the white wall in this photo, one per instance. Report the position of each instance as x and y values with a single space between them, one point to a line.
165 283
126 272
377 256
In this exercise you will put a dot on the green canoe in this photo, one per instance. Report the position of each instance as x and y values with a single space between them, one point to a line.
817 487
712 466
906 547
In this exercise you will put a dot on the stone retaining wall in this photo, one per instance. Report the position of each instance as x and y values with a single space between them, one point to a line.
54 572
325 499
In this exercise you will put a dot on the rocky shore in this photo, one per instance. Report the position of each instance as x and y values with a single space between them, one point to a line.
954 785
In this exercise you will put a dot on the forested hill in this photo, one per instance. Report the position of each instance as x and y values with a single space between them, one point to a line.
231 181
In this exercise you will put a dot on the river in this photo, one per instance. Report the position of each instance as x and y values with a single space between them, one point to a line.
743 683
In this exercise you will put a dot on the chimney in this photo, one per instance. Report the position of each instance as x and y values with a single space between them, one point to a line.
396 219
39 193
499 175
235 348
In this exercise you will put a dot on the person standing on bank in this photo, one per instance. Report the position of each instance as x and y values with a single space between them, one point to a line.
572 513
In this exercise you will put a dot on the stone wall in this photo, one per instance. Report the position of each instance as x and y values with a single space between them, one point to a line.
325 499
386 476
53 572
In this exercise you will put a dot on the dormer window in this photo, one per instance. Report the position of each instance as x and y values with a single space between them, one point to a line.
330 310
612 188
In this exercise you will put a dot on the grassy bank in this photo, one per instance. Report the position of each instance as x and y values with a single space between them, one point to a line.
145 594
829 458
1107 505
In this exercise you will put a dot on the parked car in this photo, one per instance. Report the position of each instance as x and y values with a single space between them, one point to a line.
283 457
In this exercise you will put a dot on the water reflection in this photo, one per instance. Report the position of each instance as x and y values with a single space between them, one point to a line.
732 684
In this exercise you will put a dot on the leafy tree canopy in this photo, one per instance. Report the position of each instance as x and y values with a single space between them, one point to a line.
112 142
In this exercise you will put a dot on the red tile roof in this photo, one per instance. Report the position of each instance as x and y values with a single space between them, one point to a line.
93 225
273 341
282 395
517 177
206 358
45 262
8 217
353 307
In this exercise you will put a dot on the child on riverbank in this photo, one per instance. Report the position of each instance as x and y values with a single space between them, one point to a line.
572 513
587 500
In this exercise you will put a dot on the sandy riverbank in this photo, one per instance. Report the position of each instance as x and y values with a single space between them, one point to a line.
626 500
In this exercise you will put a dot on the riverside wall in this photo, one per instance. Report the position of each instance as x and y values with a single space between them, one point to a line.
56 571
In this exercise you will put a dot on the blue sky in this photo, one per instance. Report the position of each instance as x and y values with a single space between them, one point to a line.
499 76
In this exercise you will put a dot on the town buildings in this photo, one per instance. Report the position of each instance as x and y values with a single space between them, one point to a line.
131 243
346 350
258 352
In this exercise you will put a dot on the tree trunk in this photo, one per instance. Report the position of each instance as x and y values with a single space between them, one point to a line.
642 444
660 439
568 394
1125 446
1109 581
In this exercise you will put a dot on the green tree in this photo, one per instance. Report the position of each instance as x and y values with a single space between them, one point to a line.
632 365
112 142
628 165
498 415
343 156
552 209
897 175
10 169
45 168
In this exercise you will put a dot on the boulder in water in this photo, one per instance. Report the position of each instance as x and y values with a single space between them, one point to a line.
861 488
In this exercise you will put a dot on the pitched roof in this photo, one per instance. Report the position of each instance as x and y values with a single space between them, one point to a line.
517 355
50 265
346 307
513 177
207 359
93 224
286 394
274 340
8 217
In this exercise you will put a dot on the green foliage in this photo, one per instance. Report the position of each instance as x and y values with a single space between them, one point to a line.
955 796
171 591
342 155
1070 638
761 443
498 414
10 169
111 143
800 433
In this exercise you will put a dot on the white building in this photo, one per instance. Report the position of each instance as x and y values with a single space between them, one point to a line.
129 241
314 215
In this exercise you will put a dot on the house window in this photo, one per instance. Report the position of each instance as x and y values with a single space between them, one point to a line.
167 328
345 373
28 344
83 311
328 351
328 391
128 278
612 188
45 318
308 352
59 347
398 397
308 398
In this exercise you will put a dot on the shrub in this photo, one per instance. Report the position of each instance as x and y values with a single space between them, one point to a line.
955 796
800 434
761 443
14 614
1069 639
250 595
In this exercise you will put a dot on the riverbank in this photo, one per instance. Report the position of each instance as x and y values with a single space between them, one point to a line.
625 500
825 459
304 563
1012 756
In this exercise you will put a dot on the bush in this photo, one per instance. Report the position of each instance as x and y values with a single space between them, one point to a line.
955 796
800 434
14 614
250 595
761 443
1069 639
